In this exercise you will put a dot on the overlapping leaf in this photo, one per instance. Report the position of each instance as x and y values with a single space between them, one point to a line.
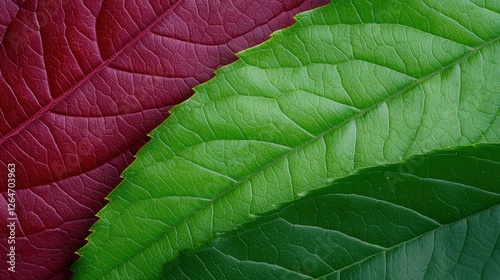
430 217
354 85
82 82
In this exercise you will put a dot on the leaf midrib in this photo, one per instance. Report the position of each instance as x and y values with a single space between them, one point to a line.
313 139
88 76
360 114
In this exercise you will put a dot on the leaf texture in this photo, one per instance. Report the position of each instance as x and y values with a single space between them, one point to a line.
353 85
82 83
435 216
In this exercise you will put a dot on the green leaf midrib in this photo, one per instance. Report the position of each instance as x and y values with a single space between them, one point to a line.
306 143
388 249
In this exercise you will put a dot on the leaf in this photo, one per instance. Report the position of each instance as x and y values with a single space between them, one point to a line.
430 217
82 83
353 85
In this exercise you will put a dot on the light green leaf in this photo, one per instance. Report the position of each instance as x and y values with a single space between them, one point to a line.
431 217
353 85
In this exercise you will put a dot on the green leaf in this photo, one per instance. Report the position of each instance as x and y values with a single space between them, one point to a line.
353 85
430 217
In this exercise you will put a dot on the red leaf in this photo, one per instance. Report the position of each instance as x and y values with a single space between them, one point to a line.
81 85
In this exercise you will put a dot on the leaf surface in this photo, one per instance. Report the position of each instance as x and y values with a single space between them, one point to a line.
82 83
353 85
430 217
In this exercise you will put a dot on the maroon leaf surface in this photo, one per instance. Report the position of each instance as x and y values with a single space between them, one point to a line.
82 83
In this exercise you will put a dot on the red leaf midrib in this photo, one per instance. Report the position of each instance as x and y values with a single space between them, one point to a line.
87 77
